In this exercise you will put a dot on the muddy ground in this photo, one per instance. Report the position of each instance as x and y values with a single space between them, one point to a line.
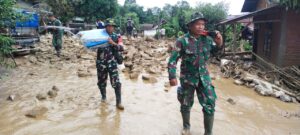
73 104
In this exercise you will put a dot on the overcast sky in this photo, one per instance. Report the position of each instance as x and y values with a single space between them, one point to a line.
235 6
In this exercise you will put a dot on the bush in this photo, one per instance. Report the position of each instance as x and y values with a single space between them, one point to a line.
170 31
247 46
5 50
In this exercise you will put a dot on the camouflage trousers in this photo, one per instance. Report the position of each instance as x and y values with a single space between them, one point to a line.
57 42
186 98
105 68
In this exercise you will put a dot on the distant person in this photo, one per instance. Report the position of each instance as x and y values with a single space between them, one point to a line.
57 34
129 27
100 24
107 62
163 33
194 49
135 33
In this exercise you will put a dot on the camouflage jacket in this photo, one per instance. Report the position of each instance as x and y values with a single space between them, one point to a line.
57 32
111 51
194 54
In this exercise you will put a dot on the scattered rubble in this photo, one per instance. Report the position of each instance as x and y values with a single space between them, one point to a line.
52 93
231 101
13 97
277 94
36 112
55 88
83 73
149 39
263 90
238 82
149 78
41 96
146 77
285 98
150 57
255 76
167 84
140 55
290 114
72 53
153 80
33 59
134 76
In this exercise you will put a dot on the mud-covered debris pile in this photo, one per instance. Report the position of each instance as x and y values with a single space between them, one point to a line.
264 82
140 55
146 55
37 112
73 53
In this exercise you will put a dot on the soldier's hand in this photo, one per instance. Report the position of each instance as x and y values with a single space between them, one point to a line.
218 39
218 34
110 41
173 82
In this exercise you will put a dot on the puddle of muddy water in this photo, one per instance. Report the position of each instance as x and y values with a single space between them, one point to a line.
149 110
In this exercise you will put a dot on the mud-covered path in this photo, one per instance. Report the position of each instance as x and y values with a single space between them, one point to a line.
149 109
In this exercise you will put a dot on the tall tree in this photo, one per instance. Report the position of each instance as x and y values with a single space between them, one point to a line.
134 8
168 9
64 9
129 2
213 12
149 16
7 19
6 12
91 10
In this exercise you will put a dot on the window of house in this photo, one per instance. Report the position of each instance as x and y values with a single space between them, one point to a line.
267 40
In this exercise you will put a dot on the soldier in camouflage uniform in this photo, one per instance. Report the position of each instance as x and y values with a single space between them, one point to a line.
194 49
107 62
57 34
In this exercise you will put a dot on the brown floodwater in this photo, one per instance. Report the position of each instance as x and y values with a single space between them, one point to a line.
149 109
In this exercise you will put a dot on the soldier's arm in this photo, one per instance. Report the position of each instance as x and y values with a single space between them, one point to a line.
218 39
118 45
175 55
56 23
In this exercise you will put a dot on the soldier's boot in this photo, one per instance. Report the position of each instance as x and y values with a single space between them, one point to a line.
103 94
57 49
118 98
186 123
58 52
208 123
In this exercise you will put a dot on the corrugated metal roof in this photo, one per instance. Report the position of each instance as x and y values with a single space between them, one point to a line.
248 15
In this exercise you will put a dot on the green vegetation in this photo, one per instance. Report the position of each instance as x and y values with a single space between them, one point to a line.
5 50
7 19
290 4
175 16
91 10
